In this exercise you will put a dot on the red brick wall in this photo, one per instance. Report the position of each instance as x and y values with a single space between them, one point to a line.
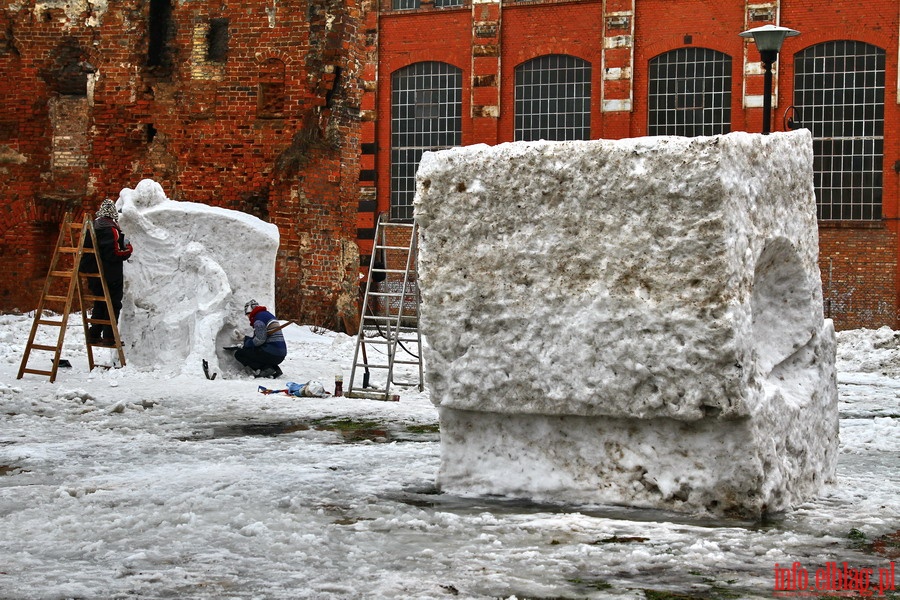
856 295
859 274
532 31
195 130
401 43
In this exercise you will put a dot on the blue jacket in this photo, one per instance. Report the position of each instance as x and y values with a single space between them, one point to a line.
271 343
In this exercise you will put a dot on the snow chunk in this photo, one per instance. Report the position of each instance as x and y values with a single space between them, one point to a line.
634 321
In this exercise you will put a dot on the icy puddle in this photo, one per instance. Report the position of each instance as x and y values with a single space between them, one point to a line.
349 430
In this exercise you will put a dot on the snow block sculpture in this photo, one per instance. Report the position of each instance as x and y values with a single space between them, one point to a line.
631 322
194 266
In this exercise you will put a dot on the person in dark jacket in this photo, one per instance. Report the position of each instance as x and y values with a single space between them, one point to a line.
263 351
113 251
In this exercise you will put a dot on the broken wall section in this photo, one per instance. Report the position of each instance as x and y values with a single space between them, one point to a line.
251 107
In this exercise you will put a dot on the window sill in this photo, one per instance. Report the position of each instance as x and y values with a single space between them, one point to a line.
851 224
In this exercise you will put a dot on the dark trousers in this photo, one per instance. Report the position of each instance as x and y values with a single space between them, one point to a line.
257 359
116 293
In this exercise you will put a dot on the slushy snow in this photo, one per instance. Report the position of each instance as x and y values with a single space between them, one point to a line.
157 483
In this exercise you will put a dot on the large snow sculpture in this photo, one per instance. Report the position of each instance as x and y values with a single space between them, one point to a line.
632 322
194 266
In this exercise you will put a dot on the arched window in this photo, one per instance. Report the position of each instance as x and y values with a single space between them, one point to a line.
839 96
426 114
553 99
409 4
689 93
270 92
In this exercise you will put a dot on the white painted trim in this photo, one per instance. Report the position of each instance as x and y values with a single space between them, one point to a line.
756 101
616 105
617 73
617 41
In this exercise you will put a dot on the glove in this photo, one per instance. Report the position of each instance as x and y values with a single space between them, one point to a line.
128 251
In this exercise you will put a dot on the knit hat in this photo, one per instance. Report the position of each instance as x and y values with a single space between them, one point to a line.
108 210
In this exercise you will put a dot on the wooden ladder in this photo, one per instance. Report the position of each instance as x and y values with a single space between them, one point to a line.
70 247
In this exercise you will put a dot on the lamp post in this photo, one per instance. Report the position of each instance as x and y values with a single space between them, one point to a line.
768 40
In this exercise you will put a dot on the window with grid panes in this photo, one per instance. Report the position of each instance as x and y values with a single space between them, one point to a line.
426 114
553 99
689 93
409 4
839 97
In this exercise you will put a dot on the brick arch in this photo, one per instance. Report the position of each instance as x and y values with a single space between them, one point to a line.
63 70
810 41
644 53
271 68
52 210
27 242
430 58
262 57
562 52
695 46
538 50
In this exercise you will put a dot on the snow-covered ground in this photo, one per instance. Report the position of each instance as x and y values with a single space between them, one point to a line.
162 484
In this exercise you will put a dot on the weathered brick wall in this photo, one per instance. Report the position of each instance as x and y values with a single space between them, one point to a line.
618 38
251 106
859 275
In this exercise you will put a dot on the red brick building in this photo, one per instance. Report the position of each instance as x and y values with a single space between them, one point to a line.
251 106
313 116
460 72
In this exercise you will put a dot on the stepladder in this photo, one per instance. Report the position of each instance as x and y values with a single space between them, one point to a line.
388 352
63 292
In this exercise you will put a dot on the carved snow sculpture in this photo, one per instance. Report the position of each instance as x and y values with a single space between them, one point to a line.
631 322
194 266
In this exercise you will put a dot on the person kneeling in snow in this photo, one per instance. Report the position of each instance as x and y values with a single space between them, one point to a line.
265 349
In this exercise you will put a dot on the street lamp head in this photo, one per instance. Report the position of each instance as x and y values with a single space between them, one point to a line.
769 37
768 40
